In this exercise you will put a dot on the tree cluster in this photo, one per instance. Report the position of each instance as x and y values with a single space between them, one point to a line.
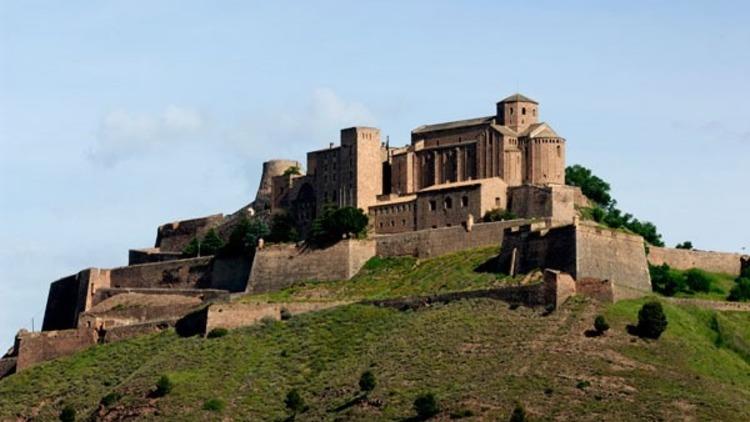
337 223
741 290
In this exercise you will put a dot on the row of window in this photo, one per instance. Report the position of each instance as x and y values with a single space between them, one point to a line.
448 203
393 223
393 209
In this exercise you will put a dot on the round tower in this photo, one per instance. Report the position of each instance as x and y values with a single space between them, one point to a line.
271 169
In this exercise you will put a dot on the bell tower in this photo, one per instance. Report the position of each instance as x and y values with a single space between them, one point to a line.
517 112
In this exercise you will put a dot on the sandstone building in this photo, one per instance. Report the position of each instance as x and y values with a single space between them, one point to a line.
450 173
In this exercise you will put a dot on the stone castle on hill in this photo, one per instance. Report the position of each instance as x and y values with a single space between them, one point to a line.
424 200
450 173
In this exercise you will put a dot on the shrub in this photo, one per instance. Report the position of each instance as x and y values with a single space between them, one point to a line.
192 248
211 243
583 384
292 170
518 414
244 237
592 186
600 324
217 332
462 413
697 280
111 399
68 414
335 223
426 405
283 229
294 401
741 290
163 386
685 245
286 314
498 214
651 320
666 281
214 405
367 381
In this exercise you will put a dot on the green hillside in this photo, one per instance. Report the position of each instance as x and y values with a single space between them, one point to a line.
479 357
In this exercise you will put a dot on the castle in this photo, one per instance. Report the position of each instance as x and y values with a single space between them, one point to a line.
425 199
450 173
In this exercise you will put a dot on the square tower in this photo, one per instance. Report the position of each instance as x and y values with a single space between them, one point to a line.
517 112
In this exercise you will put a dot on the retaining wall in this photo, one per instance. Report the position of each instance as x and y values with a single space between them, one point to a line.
683 259
43 346
278 266
435 242
235 315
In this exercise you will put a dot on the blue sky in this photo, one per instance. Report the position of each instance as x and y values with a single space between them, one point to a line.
116 117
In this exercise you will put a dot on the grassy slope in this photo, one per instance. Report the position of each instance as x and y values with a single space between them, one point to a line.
478 355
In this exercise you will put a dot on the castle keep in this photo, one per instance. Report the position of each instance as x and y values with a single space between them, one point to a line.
450 173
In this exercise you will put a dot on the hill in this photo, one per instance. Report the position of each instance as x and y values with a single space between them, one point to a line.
477 356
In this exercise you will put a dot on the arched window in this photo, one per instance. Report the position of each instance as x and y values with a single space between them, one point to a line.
464 201
448 203
559 151
523 111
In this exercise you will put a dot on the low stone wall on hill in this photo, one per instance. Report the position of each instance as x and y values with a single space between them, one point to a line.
278 266
43 346
184 273
235 315
176 235
684 259
435 242
147 255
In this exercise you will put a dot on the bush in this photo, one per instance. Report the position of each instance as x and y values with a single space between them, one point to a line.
192 248
462 413
68 414
294 401
211 243
666 281
283 229
292 170
111 399
651 320
741 290
426 406
498 214
217 332
244 237
336 223
214 405
286 314
367 381
163 386
697 280
600 324
519 413
685 245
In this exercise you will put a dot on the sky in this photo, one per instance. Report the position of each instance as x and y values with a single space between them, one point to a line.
118 116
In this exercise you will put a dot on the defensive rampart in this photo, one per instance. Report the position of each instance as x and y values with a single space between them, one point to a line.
176 235
683 259
278 266
435 242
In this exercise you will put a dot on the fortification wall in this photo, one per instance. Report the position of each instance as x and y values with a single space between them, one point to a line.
606 254
525 250
435 242
554 201
683 259
137 308
43 346
148 255
70 296
235 315
278 266
202 294
184 273
122 333
173 237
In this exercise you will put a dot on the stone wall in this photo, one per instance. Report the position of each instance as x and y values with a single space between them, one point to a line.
556 202
607 254
436 242
176 235
43 346
122 333
183 273
235 315
683 259
147 255
525 249
206 295
711 304
137 308
70 296
278 266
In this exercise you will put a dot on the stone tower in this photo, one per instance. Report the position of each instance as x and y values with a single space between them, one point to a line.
271 169
517 112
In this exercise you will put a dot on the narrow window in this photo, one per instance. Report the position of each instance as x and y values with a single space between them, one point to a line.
523 111
433 205
497 201
464 201
448 203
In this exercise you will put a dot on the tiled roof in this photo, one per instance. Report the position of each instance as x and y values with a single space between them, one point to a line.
518 97
454 125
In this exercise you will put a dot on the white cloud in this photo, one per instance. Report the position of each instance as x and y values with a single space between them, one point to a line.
123 134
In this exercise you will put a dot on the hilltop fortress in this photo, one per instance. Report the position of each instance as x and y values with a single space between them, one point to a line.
425 199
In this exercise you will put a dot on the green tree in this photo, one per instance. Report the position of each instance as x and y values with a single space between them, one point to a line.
426 405
292 170
294 402
367 382
651 320
600 324
498 214
741 290
283 229
697 280
192 248
685 245
67 414
592 186
211 243
666 281
163 386
244 237
519 413
335 223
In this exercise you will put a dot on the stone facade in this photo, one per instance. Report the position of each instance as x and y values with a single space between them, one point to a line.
39 347
683 259
450 173
278 266
587 252
557 202
174 236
